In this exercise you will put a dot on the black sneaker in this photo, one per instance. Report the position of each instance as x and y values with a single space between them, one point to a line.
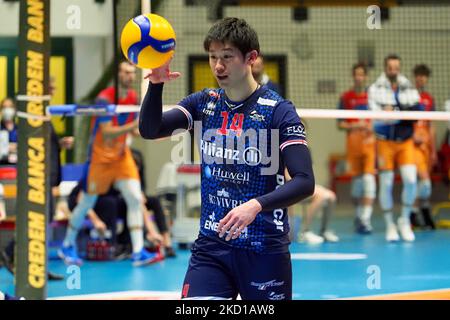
7 262
8 297
426 214
122 253
362 228
415 220
9 265
54 276
170 252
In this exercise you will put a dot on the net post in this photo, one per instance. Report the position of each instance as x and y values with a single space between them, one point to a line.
146 7
33 167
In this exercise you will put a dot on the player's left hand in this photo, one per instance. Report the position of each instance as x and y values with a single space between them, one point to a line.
238 219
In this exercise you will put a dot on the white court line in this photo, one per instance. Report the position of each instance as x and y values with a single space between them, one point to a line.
125 295
329 256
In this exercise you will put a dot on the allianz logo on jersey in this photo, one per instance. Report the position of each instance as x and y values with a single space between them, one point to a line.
223 200
213 225
258 148
250 156
209 109
228 176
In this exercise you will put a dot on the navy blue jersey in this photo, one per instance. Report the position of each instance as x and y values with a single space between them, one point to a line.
236 145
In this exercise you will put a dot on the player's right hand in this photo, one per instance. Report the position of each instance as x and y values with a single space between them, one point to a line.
162 74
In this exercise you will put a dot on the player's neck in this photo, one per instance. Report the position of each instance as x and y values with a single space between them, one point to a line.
358 88
123 91
242 91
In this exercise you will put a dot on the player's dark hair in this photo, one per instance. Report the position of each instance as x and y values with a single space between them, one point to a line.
391 57
422 70
234 31
359 65
122 61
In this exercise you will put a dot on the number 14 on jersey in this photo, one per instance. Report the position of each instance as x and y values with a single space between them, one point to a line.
236 124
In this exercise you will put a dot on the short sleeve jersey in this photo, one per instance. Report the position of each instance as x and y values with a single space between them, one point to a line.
110 150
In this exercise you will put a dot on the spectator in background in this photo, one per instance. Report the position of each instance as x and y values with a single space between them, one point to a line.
2 204
104 216
8 132
424 150
360 149
105 212
153 210
323 199
261 77
444 157
392 91
56 146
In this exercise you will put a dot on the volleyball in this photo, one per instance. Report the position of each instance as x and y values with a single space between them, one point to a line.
148 41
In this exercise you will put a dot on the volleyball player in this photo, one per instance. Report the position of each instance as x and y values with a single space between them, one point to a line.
111 163
360 149
392 91
243 243
424 149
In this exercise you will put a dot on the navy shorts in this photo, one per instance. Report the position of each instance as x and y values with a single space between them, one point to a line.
217 270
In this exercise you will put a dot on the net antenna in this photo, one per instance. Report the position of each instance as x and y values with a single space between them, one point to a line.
146 7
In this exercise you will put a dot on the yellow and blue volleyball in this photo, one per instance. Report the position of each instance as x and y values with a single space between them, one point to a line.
148 41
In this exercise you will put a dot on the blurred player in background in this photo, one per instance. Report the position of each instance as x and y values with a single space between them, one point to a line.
8 132
424 150
392 91
261 77
323 199
360 149
111 163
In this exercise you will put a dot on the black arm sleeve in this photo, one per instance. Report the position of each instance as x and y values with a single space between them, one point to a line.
298 162
153 123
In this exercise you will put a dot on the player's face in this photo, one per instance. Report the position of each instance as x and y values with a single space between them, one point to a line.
392 69
421 81
227 64
127 74
8 103
359 77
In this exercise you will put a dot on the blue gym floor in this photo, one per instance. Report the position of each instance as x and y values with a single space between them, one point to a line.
347 269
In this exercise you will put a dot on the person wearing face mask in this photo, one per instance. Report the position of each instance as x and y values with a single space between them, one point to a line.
57 145
8 131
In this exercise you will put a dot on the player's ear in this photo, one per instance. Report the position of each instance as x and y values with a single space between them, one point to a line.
251 57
